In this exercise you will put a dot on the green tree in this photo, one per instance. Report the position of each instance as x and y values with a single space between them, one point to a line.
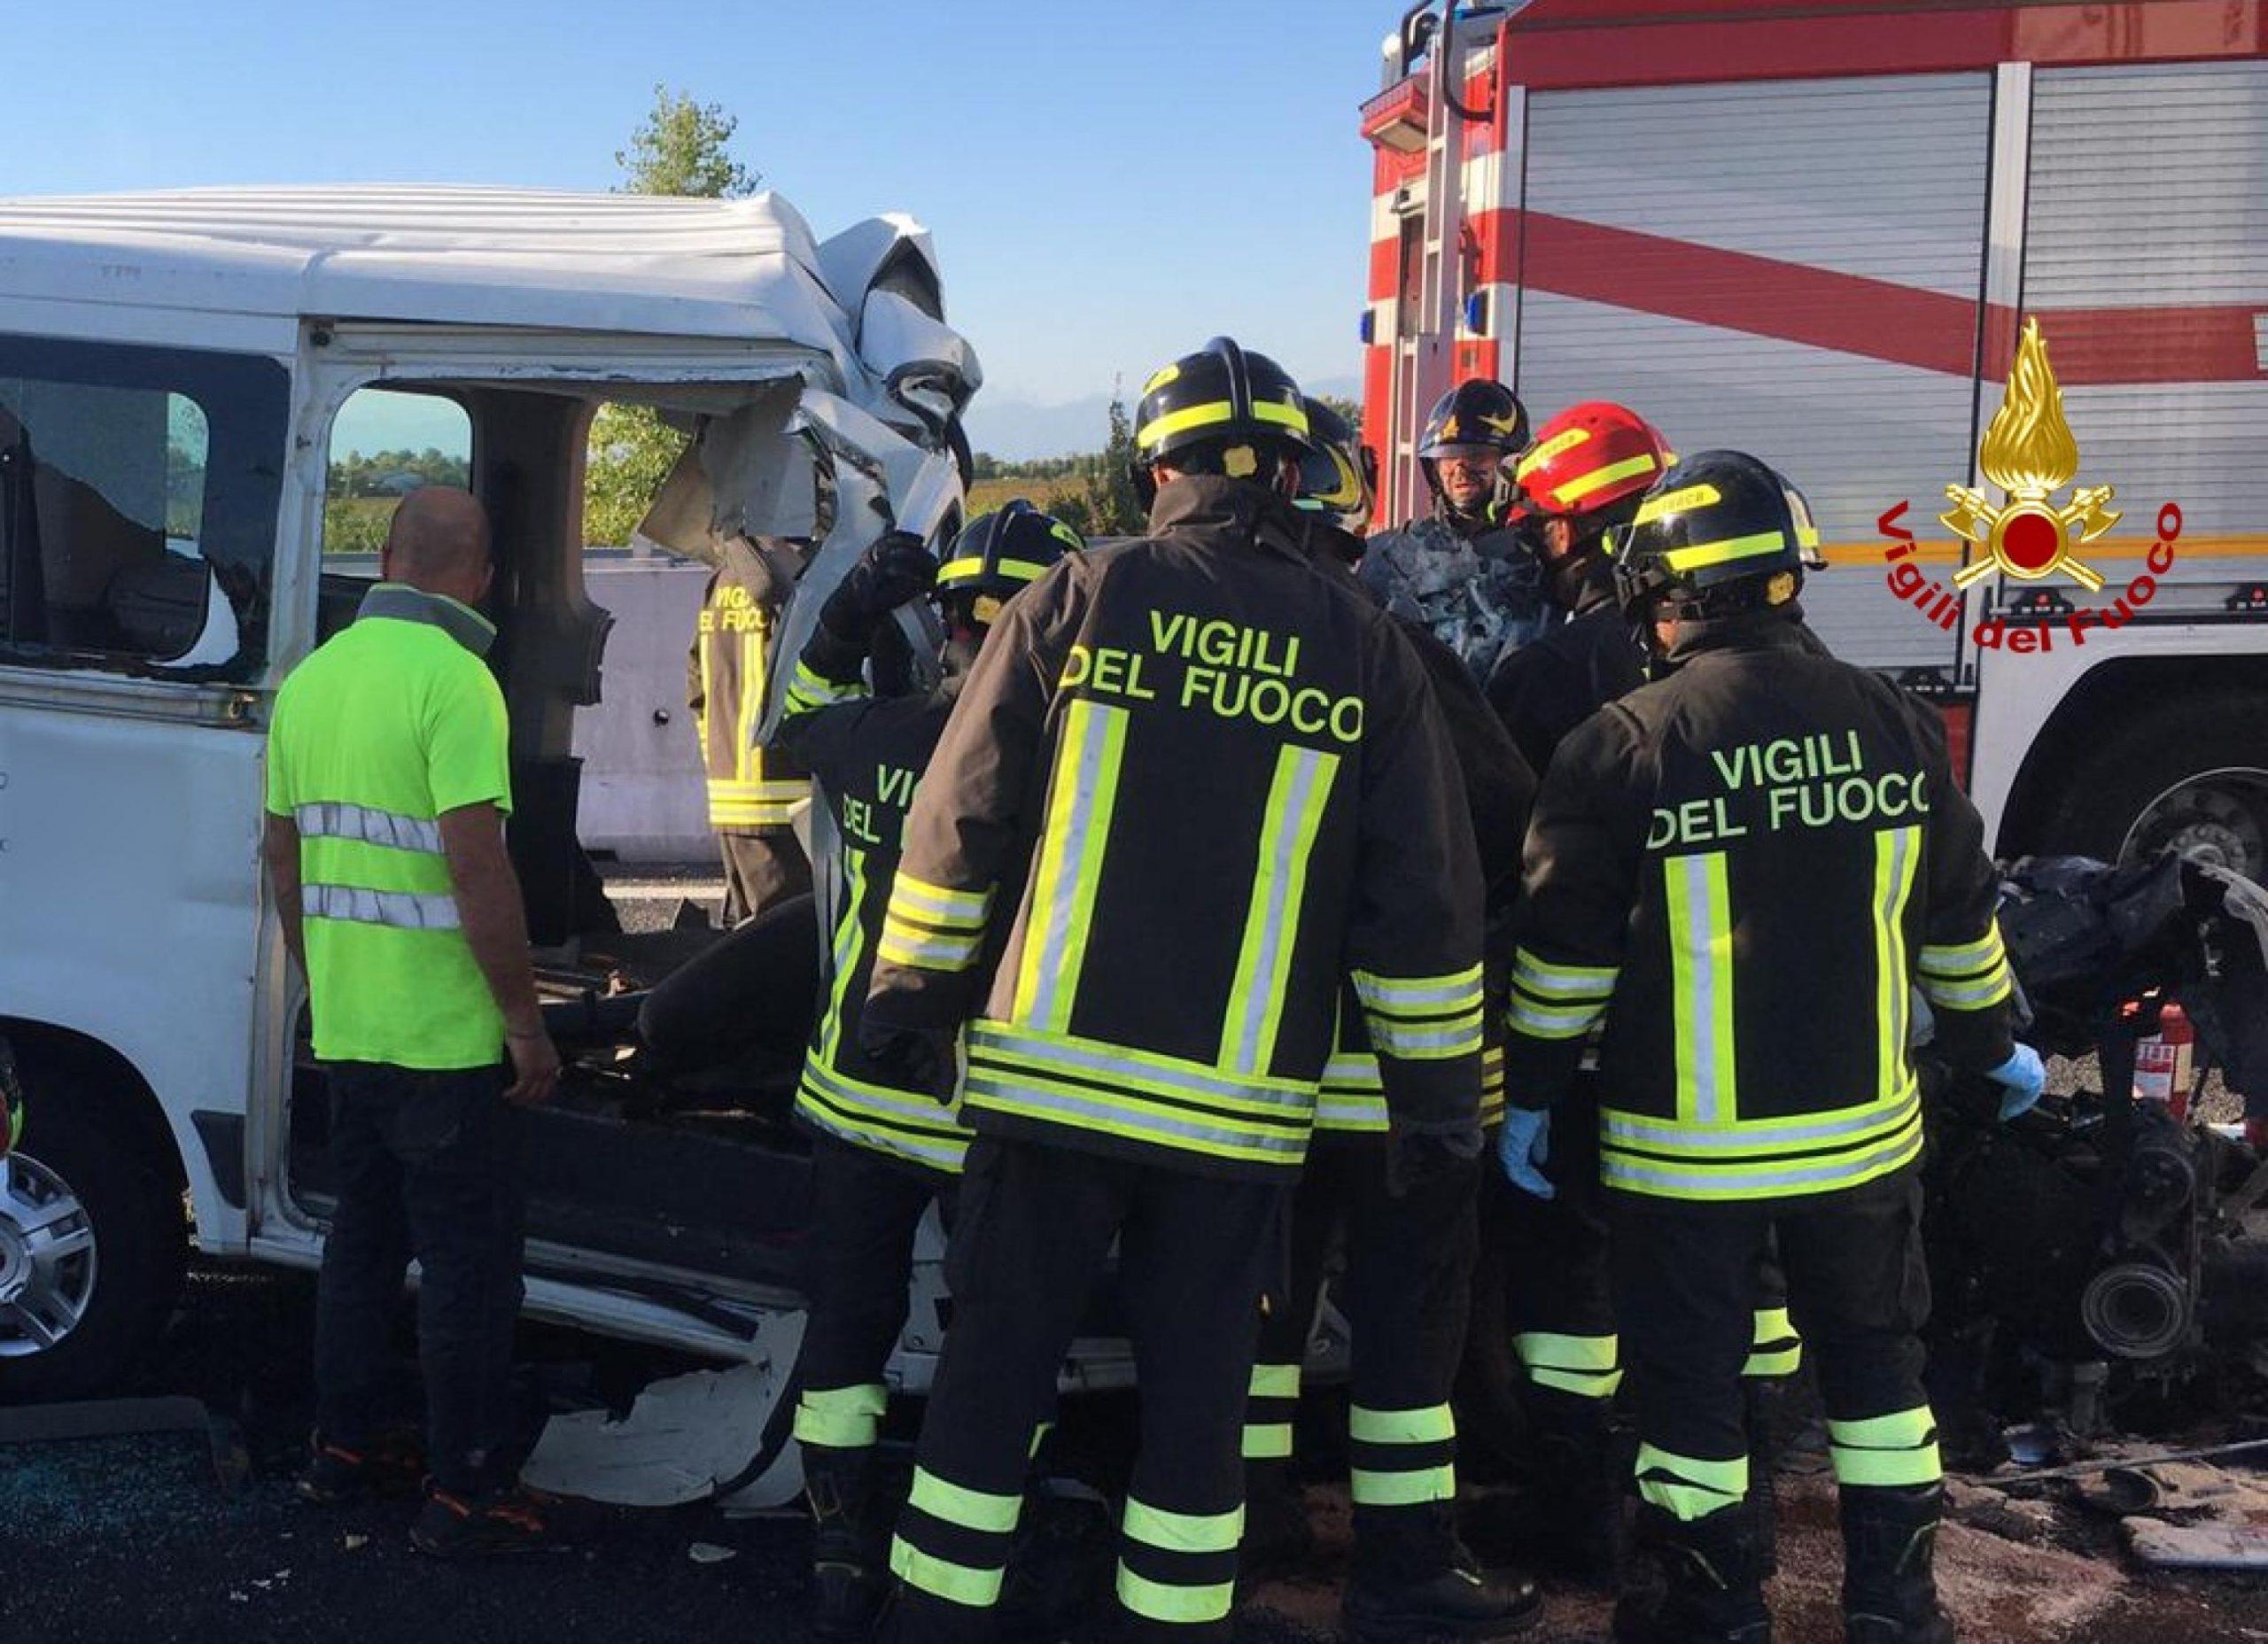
681 149
1107 506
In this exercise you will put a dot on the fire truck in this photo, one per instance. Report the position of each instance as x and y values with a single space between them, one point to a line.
1815 230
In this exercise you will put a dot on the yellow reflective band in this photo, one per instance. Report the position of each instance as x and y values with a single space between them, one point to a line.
1038 1438
1699 899
1164 375
1594 1353
1181 421
1425 996
1687 1487
1679 501
1275 1381
1964 958
843 1418
1898 855
1267 1441
1566 440
1548 981
1892 1451
971 1510
1705 1180
1081 801
935 904
916 949
1774 1365
1774 1326
1416 1487
1183 1532
1293 417
748 759
1431 1423
941 1578
1297 798
1190 1606
1701 555
1067 537
1579 1383
1016 571
1576 489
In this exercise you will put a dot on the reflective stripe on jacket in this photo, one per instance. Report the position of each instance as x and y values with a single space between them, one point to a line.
1201 784
1742 870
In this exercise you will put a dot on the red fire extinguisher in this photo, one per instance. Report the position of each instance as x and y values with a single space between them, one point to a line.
2164 1062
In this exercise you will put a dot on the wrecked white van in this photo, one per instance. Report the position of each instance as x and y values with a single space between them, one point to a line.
171 368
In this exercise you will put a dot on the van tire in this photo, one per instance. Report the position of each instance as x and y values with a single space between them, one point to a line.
78 1135
2102 799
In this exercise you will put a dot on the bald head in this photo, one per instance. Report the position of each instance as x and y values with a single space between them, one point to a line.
439 543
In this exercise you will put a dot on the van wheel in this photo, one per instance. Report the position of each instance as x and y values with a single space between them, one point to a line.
2188 776
93 1246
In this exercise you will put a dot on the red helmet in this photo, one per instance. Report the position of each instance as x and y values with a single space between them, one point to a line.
1590 457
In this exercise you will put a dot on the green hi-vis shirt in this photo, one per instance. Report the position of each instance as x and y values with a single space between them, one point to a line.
385 728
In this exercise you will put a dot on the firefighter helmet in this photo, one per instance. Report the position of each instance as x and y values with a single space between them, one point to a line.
1477 412
1720 532
1339 475
998 553
1220 410
1593 462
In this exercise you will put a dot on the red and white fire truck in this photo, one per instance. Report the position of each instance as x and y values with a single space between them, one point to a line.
1811 229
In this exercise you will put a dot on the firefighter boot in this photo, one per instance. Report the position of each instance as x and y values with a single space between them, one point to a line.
1709 1585
1760 1406
1890 1588
850 1541
1582 1466
1278 1541
1414 1582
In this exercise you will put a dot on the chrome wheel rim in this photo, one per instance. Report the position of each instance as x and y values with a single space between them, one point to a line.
2220 817
47 1258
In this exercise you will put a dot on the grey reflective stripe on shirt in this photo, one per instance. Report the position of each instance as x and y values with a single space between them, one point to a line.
401 909
1754 1138
1707 1180
989 1088
370 825
1134 1074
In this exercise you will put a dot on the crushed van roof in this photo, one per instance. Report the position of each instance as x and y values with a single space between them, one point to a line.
747 269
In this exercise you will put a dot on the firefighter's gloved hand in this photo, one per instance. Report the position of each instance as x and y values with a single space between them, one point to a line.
1423 1156
2021 1078
1523 1147
897 568
914 1058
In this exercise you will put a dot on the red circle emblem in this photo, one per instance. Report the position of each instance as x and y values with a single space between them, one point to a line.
2033 541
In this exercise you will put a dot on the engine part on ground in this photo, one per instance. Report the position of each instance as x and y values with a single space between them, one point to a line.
2136 1310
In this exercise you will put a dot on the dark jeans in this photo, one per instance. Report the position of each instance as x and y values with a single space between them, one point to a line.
427 1166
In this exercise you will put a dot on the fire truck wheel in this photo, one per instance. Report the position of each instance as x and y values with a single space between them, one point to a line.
2189 775
93 1245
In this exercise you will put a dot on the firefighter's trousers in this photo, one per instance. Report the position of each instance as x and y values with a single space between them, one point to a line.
1560 1299
1685 1291
866 1208
1406 1294
761 870
1034 1230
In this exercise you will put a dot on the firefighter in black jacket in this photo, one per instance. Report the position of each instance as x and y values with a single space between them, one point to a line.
752 791
1742 868
1198 783
880 1154
1409 1255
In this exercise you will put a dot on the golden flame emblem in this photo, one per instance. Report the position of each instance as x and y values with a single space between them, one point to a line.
2029 452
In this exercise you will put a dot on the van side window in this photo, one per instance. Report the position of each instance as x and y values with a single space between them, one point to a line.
138 494
384 443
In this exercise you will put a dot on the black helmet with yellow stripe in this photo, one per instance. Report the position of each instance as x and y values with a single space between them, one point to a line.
1221 410
1720 532
1338 474
997 554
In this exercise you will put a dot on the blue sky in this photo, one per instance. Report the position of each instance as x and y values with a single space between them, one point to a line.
1108 185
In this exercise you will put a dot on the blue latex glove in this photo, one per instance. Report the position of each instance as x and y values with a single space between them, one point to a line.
2022 1076
1523 1146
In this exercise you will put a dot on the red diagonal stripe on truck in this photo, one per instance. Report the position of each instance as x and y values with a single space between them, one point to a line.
1876 319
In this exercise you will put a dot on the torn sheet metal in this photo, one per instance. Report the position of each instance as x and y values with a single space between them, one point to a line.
685 1439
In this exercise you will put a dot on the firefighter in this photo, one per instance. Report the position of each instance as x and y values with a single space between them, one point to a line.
1741 869
1462 571
752 791
1195 784
881 1154
1410 1253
